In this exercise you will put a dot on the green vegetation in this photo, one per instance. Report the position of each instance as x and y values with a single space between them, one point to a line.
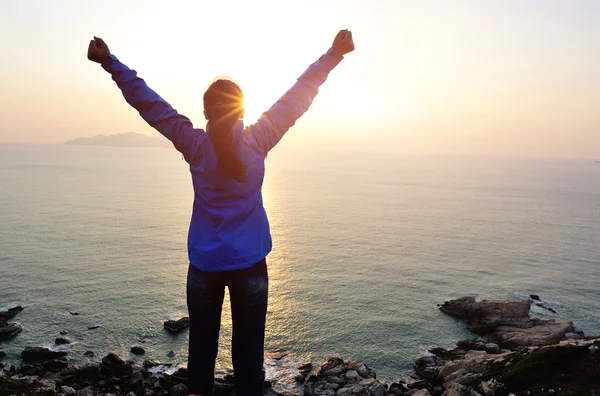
568 370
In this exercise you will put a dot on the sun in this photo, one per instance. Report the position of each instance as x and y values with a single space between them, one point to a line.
255 103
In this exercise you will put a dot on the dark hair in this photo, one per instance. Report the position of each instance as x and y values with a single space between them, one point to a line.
223 105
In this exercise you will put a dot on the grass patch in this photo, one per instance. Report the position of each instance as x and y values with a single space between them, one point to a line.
568 370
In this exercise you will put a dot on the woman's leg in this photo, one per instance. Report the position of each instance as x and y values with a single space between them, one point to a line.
205 292
248 290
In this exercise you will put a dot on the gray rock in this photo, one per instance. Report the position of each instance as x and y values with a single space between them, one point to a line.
364 371
334 371
336 380
62 341
67 390
378 390
352 374
422 392
398 388
492 348
178 390
332 386
85 392
347 391
367 382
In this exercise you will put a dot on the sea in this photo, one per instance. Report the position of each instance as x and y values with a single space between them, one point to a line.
366 245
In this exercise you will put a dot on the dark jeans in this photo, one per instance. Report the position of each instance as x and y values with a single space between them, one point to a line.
248 289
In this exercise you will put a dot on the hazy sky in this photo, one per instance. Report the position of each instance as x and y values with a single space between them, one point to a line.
503 77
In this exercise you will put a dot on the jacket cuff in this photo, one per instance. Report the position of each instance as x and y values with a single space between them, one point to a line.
109 63
332 58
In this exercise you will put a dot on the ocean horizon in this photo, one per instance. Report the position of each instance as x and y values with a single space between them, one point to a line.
365 247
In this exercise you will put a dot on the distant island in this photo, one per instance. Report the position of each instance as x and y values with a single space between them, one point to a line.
128 139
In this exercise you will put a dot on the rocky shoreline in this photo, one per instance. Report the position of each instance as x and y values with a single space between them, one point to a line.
513 354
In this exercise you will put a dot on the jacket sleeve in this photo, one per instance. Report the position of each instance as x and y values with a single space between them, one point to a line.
275 122
154 109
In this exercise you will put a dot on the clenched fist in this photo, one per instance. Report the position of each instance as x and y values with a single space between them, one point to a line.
98 50
343 42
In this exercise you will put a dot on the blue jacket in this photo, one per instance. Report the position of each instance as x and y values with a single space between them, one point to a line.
229 229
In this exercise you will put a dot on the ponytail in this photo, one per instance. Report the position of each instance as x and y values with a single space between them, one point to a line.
223 108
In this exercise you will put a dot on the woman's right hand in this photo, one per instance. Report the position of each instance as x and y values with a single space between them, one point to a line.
343 43
98 50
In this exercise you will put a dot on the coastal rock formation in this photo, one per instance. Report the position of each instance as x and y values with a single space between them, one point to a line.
515 354
10 313
38 354
335 377
571 367
9 330
476 367
507 322
177 326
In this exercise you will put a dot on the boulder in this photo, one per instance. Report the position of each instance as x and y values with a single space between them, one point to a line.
114 365
177 326
138 350
67 390
9 313
62 341
150 363
38 354
9 330
55 364
178 390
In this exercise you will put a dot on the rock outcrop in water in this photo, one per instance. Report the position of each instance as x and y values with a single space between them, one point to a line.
177 326
507 322
9 330
513 355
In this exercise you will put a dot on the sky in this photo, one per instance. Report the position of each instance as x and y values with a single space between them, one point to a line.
462 77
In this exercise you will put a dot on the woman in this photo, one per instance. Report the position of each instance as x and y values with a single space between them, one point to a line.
229 237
